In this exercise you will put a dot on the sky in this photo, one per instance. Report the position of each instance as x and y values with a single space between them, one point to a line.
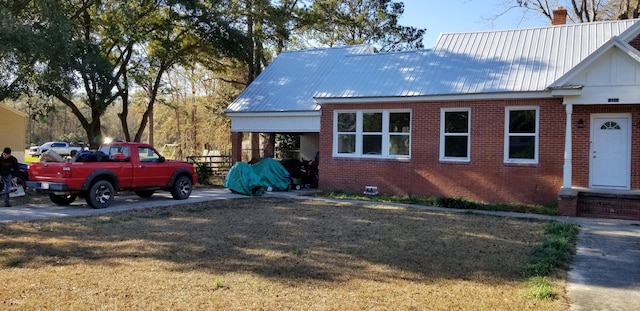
439 16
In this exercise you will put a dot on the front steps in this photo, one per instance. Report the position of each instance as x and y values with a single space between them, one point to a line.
601 203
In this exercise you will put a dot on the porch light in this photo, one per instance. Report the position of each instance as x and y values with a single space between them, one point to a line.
580 123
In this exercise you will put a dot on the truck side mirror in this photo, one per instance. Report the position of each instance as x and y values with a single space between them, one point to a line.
161 159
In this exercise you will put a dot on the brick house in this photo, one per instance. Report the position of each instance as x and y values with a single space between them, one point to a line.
533 115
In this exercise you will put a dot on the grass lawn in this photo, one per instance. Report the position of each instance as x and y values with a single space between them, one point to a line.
272 254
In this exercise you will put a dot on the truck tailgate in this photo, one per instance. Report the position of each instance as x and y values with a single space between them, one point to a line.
74 174
45 170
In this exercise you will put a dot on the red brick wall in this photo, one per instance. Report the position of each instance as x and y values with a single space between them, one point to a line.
236 147
608 207
485 178
581 144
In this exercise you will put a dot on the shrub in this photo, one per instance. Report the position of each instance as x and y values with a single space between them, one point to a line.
204 173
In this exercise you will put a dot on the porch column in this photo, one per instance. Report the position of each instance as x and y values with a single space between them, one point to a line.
568 166
255 146
567 197
236 147
269 145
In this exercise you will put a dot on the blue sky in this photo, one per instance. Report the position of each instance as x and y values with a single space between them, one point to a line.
439 16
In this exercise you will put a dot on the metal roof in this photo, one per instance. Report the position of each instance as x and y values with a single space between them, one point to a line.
289 83
518 60
467 63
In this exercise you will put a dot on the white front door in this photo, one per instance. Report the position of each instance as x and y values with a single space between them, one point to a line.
610 152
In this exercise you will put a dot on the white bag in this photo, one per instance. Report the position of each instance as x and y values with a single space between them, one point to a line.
16 190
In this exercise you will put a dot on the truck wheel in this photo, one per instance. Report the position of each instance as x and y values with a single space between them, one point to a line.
101 194
144 193
63 199
182 188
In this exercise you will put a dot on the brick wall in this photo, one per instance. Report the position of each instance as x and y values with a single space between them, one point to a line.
581 143
485 178
590 205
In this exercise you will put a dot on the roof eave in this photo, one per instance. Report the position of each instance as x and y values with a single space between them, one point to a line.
302 113
567 90
432 98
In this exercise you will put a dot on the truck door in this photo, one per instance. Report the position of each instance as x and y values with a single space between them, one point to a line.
149 172
120 154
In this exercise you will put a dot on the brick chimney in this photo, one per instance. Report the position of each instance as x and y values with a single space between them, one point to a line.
559 16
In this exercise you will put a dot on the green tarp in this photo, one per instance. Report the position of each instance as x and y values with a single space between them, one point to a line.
272 174
242 179
257 178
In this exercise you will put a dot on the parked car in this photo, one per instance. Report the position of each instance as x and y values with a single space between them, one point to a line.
98 175
33 151
60 147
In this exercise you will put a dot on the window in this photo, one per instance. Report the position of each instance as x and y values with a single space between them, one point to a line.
455 127
399 133
147 154
521 134
346 133
111 150
372 133
610 125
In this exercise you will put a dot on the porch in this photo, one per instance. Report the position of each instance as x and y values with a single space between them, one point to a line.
600 203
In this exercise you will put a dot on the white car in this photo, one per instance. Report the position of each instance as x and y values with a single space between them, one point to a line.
60 147
33 151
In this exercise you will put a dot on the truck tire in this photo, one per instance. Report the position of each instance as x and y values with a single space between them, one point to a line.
144 193
100 194
182 188
62 200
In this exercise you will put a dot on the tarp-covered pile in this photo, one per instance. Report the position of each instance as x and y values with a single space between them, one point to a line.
257 178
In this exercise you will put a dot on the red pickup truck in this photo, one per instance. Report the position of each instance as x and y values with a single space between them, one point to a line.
97 175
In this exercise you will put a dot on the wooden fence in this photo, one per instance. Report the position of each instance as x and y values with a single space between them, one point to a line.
219 164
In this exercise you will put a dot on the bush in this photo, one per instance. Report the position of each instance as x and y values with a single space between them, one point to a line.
204 173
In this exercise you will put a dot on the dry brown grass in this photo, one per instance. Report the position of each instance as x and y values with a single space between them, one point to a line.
270 254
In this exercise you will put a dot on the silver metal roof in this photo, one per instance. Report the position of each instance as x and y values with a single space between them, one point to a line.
517 60
289 83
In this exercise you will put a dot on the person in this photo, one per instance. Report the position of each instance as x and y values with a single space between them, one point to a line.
8 165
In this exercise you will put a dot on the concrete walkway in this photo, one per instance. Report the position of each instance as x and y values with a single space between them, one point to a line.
604 273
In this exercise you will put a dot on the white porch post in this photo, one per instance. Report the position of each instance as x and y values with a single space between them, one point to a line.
566 177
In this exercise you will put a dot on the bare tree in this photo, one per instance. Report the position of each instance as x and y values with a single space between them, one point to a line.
578 11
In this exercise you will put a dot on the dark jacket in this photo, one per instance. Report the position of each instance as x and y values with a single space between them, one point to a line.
9 166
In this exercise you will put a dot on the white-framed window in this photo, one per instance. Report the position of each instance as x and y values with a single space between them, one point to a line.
521 134
455 139
372 133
